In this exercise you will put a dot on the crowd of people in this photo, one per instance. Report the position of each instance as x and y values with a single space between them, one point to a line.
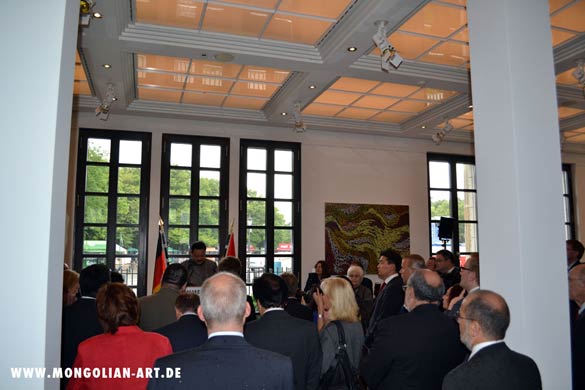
428 325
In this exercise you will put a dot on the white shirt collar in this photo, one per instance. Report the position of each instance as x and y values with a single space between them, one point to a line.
273 309
451 270
389 278
473 289
87 297
582 308
225 333
189 313
478 347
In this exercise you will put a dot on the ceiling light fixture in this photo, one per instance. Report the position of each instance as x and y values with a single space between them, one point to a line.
97 15
283 113
312 86
440 135
103 110
299 123
352 48
388 54
85 14
224 57
423 127
470 106
107 66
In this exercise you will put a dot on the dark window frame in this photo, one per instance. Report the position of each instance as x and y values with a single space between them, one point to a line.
115 136
567 169
453 160
196 142
271 147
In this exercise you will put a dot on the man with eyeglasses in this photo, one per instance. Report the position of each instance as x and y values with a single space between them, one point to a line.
483 321
469 282
447 267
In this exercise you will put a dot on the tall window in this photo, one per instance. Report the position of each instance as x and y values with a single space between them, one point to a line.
569 214
452 193
113 171
194 194
270 217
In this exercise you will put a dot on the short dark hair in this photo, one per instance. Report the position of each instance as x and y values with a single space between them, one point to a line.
187 302
292 283
423 291
92 278
116 306
270 290
116 277
577 246
230 264
175 274
448 255
491 311
393 258
198 245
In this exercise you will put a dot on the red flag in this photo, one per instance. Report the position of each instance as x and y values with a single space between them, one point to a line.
231 250
160 263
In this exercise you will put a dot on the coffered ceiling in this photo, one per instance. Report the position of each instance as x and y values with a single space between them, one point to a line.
253 61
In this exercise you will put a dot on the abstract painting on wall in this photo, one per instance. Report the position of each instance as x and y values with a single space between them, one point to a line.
359 232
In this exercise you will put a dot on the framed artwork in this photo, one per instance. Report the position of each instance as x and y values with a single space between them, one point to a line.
359 232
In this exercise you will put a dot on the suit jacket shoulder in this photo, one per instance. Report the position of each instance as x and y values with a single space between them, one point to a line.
185 333
388 303
495 367
157 310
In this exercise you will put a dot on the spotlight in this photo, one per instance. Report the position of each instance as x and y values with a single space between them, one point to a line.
103 110
106 66
438 137
389 55
352 48
97 15
448 127
283 113
85 15
300 126
312 86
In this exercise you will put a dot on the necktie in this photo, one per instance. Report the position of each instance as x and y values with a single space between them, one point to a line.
382 287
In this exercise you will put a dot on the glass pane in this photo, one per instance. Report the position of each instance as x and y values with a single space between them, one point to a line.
256 241
467 237
94 240
283 264
256 213
97 178
256 183
128 268
465 176
436 243
98 150
283 186
181 155
208 212
283 214
128 180
565 182
439 176
254 268
440 204
180 182
96 209
127 240
567 209
130 152
283 241
283 160
210 236
128 210
210 156
209 183
179 211
178 241
466 206
173 260
87 261
257 159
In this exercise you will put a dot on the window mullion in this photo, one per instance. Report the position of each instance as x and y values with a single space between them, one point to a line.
270 209
112 204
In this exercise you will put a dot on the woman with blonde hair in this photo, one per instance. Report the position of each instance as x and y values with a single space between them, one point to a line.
336 303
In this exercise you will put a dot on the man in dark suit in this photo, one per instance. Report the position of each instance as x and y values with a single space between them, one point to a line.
390 298
188 331
414 350
483 320
575 250
158 310
234 265
577 295
292 305
280 332
80 320
448 268
225 360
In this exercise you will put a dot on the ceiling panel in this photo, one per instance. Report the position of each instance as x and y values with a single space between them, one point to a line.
567 78
571 17
244 102
80 83
392 117
436 20
351 84
567 112
233 20
339 98
410 46
396 90
378 102
204 99
448 53
208 84
169 64
218 69
296 29
159 95
357 113
164 80
327 9
176 13
322 109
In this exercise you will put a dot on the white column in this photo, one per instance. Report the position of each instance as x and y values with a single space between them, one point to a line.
38 57
519 177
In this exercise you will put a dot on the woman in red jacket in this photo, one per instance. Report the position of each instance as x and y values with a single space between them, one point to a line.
122 357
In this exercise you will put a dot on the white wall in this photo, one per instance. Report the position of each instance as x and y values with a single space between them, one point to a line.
342 168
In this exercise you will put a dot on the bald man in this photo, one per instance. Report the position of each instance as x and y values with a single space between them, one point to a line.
225 360
414 350
483 320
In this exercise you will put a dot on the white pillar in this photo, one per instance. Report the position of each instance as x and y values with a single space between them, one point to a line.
38 46
519 177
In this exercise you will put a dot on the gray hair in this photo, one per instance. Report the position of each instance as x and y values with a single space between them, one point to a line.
416 261
224 300
423 290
